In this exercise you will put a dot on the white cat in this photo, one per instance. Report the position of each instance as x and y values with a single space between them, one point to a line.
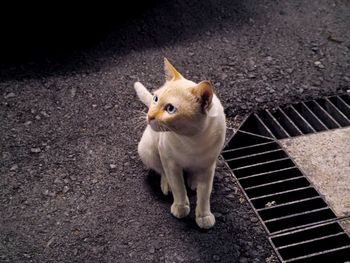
185 132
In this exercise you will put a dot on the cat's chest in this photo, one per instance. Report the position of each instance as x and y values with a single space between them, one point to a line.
191 154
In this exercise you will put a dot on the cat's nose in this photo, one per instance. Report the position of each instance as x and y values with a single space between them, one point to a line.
150 118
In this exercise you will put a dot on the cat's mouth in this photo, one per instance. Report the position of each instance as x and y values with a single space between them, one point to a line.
157 127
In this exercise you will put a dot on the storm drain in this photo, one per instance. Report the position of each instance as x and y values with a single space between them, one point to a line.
300 224
300 119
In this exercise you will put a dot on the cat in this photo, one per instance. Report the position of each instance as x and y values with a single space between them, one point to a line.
185 132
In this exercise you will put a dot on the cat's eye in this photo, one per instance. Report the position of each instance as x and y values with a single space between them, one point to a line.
170 108
155 98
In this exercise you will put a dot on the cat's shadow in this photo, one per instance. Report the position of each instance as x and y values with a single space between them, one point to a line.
153 181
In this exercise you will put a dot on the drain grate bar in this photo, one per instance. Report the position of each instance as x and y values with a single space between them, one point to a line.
341 105
327 119
312 240
337 115
271 123
272 183
315 216
292 208
262 167
278 124
267 130
309 233
265 173
249 146
343 119
301 225
281 186
302 123
257 158
316 123
281 192
255 155
269 177
296 214
315 257
287 123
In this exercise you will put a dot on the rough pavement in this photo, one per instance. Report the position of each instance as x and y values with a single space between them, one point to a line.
72 187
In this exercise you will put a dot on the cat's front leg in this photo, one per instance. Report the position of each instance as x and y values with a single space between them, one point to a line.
173 172
164 185
204 218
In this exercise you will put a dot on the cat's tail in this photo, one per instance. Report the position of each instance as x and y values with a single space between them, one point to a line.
144 95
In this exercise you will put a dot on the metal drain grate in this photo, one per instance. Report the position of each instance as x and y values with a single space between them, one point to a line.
302 118
300 224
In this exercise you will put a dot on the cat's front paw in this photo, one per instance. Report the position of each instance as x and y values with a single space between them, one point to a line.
180 211
206 222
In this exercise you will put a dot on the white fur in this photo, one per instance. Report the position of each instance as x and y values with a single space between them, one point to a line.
169 154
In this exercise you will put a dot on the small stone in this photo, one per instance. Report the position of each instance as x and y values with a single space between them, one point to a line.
243 260
27 123
37 117
45 114
254 220
151 250
50 241
66 181
73 92
259 99
35 150
46 192
57 181
10 95
269 58
216 258
65 189
14 167
289 70
126 164
94 105
112 166
231 196
75 252
108 106
26 255
318 64
94 181
251 76
224 76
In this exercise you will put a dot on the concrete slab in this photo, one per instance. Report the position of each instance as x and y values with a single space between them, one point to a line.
346 225
325 159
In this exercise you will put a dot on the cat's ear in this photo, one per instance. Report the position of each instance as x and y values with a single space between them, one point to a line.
204 91
170 71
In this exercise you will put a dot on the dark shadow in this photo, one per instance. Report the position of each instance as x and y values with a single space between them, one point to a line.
51 42
153 181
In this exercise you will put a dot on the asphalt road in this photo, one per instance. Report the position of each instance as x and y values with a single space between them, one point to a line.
72 187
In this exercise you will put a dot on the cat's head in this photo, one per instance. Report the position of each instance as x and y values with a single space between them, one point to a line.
180 105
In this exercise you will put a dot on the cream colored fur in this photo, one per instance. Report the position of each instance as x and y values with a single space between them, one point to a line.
190 141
